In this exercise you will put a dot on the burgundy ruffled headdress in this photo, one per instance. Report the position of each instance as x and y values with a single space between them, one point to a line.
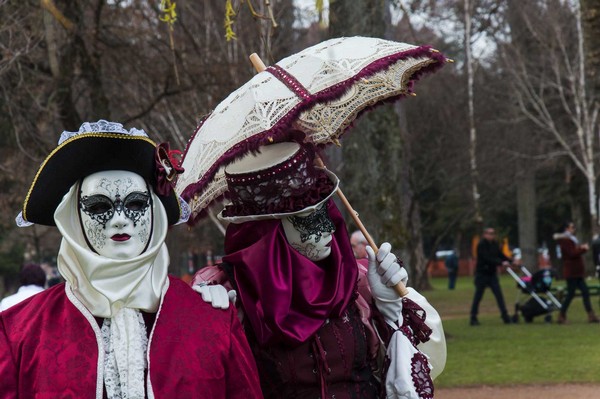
279 181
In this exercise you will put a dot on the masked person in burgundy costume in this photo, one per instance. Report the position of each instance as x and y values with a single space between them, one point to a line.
115 328
315 326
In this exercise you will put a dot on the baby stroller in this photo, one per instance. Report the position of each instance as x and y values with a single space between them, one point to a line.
534 297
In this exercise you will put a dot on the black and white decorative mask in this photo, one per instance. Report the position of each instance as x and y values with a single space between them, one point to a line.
116 213
310 233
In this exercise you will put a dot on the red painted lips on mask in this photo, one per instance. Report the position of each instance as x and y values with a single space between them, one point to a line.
120 237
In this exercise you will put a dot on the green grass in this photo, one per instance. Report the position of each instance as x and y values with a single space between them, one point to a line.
498 354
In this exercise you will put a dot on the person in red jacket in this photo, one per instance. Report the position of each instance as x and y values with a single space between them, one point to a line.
119 327
573 271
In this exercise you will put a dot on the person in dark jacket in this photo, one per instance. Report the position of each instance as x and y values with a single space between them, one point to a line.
489 258
573 270
451 263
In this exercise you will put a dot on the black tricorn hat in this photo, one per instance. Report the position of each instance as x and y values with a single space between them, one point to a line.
98 146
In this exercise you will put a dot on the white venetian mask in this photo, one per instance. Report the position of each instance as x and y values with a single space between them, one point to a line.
310 233
116 213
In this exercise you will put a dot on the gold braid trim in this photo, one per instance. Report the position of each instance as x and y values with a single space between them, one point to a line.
70 140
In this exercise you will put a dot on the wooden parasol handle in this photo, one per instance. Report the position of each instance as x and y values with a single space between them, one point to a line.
400 288
257 62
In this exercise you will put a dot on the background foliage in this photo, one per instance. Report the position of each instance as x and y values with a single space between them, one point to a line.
404 167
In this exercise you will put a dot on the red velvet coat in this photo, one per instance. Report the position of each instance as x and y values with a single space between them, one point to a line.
49 349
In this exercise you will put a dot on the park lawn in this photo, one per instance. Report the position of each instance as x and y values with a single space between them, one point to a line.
498 354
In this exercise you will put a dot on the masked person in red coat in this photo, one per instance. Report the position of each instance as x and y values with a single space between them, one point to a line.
317 321
119 327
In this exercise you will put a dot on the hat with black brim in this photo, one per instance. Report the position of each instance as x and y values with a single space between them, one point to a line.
91 151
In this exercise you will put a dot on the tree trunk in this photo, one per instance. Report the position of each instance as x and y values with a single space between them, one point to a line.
471 115
526 208
410 210
590 18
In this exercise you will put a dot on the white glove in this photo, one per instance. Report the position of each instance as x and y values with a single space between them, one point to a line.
385 272
216 295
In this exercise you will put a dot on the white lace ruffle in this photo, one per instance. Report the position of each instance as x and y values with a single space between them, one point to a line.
22 222
185 211
125 345
101 126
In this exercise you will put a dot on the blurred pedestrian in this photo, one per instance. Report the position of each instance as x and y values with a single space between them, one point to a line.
489 258
451 263
573 271
596 253
32 279
359 244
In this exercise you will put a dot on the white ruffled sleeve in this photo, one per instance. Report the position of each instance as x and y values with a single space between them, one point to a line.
435 348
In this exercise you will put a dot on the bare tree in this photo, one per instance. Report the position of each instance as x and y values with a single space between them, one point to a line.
468 16
65 61
551 90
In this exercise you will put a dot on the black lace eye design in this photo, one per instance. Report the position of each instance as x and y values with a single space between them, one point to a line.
98 207
315 224
101 209
135 205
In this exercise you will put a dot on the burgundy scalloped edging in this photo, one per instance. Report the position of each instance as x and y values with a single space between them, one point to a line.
281 130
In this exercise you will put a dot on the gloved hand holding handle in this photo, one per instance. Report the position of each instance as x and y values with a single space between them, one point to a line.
385 273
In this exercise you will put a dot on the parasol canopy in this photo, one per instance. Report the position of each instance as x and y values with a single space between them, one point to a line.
319 91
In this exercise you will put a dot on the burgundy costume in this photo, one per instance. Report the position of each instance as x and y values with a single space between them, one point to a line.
308 323
49 349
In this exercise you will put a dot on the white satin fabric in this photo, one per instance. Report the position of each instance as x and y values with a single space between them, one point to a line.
107 285
398 382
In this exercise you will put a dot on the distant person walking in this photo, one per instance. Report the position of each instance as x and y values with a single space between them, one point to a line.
451 263
573 270
32 279
489 258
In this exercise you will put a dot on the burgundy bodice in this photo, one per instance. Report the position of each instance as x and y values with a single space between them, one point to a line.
334 363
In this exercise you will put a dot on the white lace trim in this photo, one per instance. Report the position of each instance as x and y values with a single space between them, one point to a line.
185 211
22 222
125 347
101 126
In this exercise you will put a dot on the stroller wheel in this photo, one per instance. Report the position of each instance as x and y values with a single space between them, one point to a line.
528 319
548 318
515 318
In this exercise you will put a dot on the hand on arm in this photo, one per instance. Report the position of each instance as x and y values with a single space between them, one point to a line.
585 247
216 295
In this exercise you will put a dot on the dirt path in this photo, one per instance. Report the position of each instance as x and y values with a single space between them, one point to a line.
563 391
